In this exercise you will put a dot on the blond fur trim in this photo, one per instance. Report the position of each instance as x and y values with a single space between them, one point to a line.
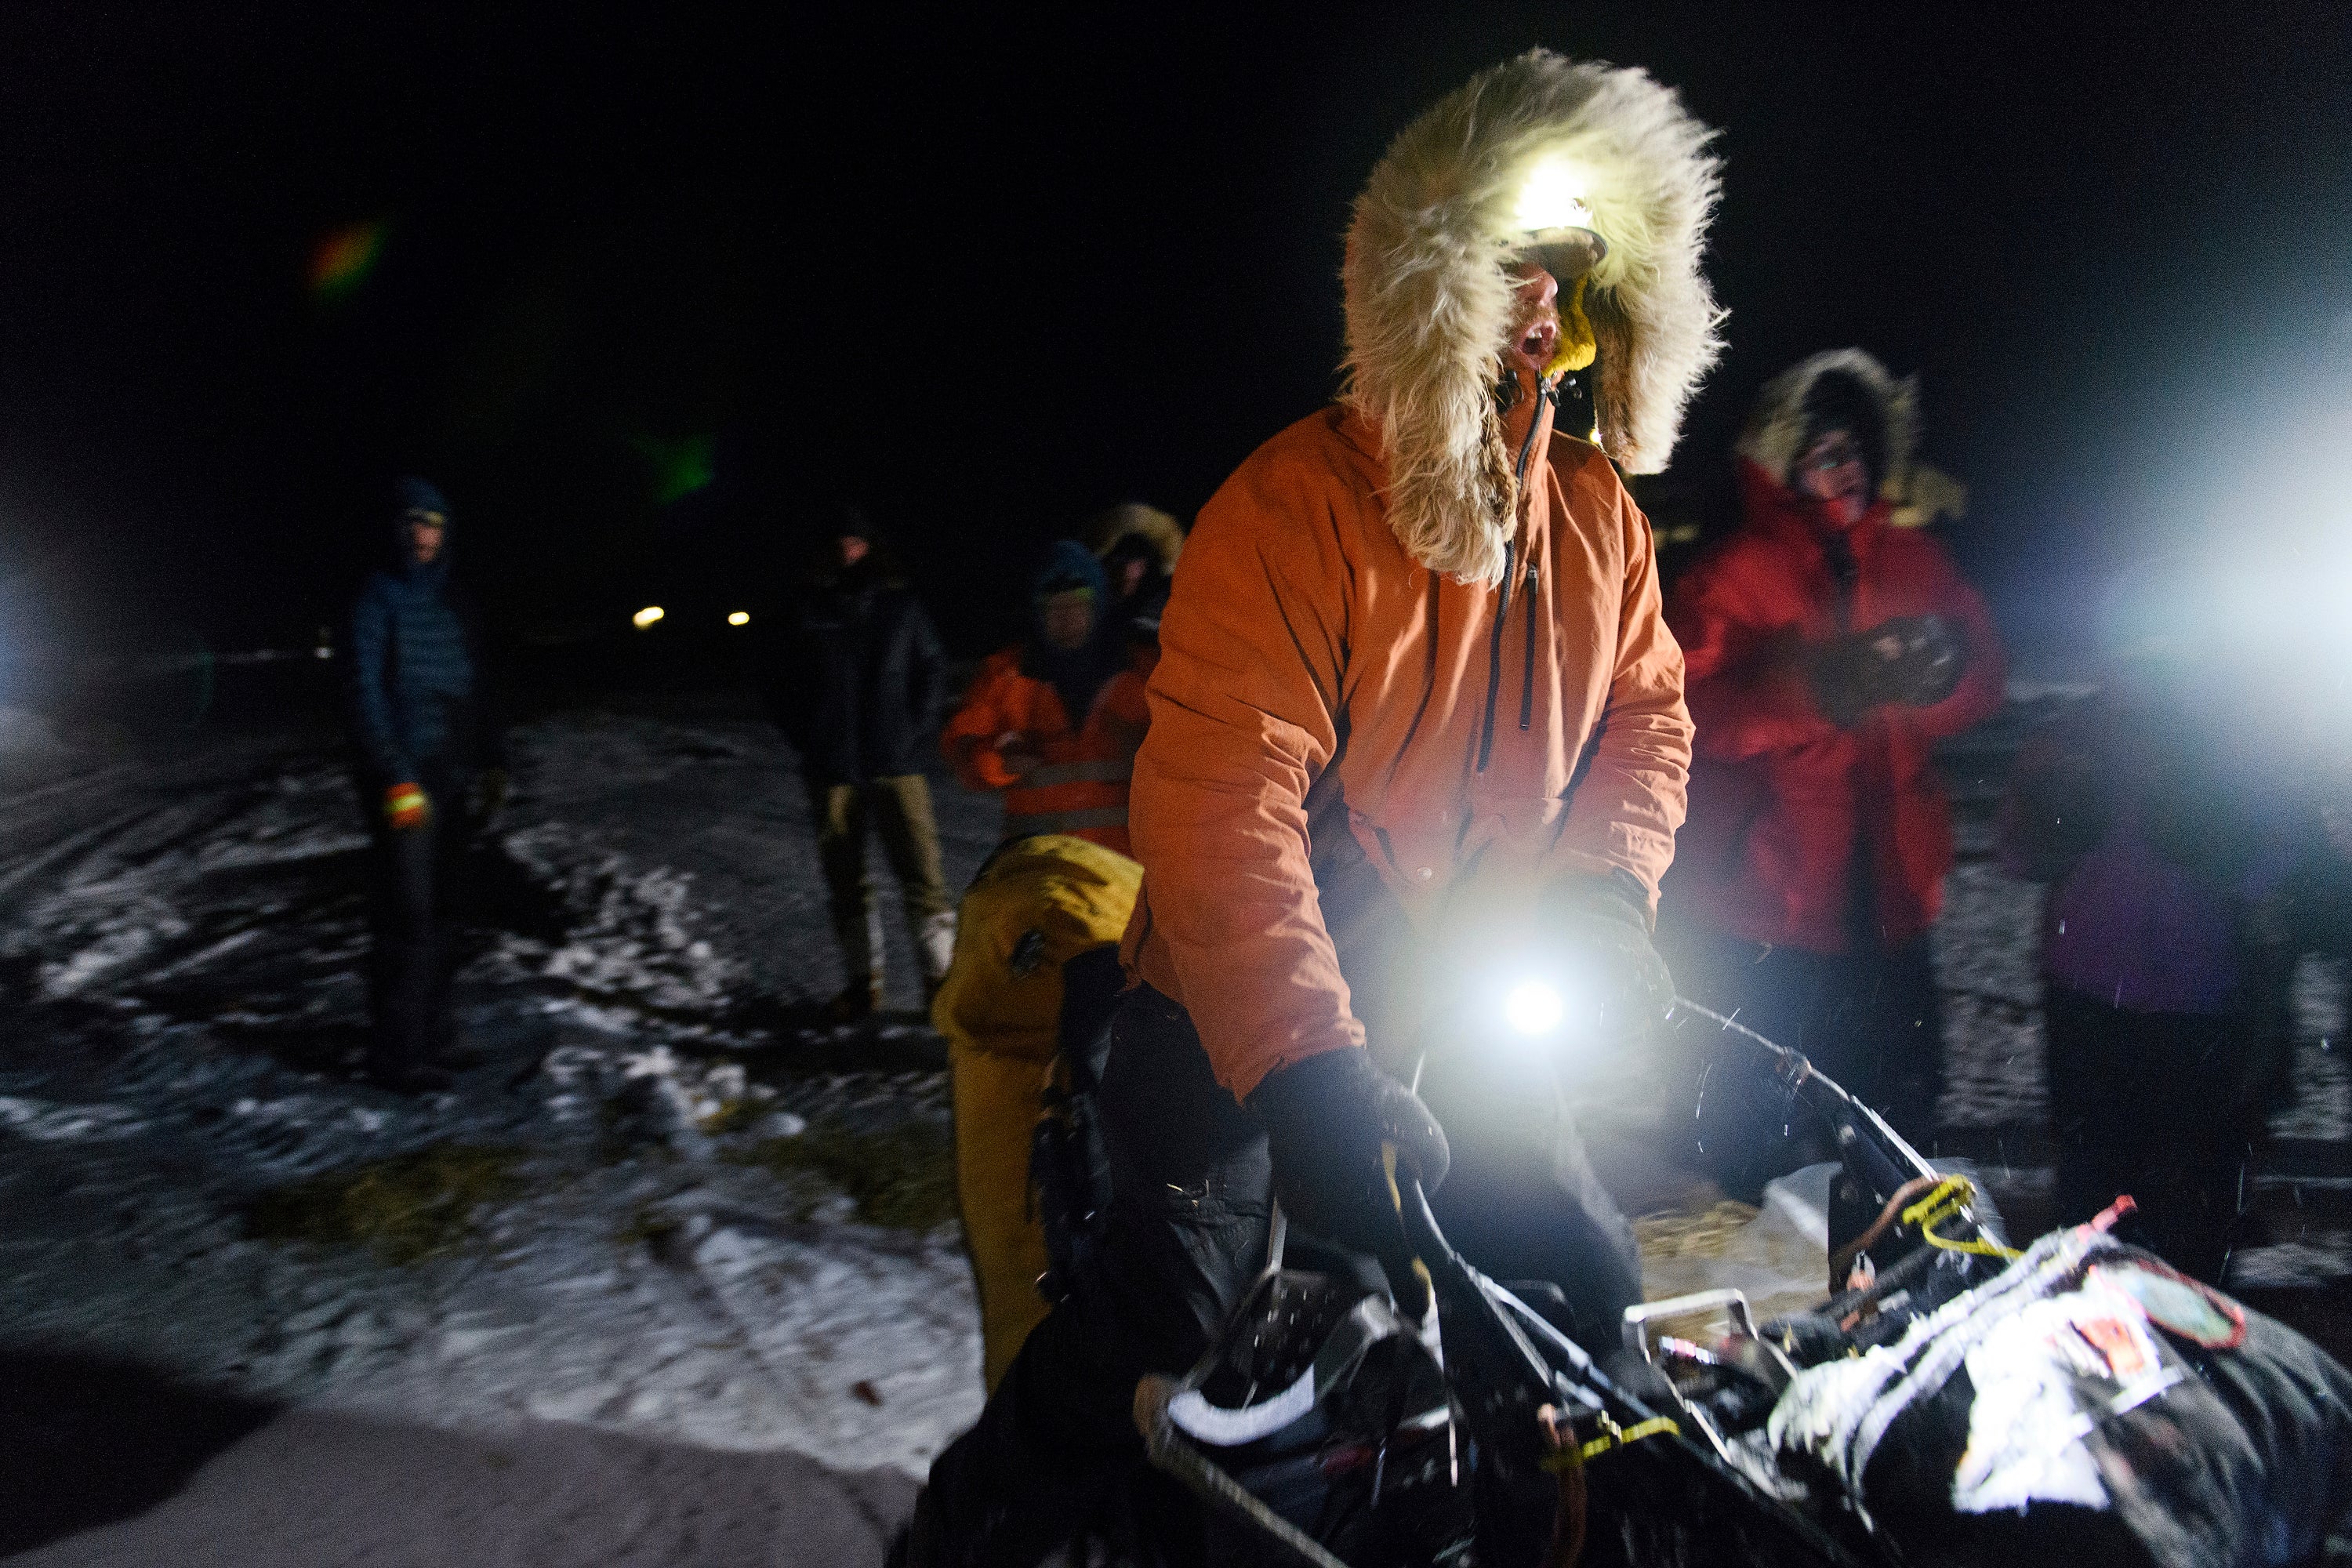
1148 523
1775 432
1429 290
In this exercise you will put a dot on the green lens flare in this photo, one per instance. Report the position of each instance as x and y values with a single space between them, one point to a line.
680 465
343 260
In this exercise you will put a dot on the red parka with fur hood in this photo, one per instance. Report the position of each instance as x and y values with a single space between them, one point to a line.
1781 799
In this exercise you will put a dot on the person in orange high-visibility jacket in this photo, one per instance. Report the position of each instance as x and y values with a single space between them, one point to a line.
1417 745
1053 723
1059 887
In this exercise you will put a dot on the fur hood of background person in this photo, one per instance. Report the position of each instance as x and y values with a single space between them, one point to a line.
1839 388
1430 291
1161 534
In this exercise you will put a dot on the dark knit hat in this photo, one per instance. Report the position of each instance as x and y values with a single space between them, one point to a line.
1067 566
409 494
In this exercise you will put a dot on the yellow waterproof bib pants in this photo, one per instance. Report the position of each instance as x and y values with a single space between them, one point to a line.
1038 904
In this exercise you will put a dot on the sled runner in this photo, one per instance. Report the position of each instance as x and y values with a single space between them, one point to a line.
1957 1403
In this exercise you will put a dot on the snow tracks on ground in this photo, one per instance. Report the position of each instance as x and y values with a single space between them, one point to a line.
665 1206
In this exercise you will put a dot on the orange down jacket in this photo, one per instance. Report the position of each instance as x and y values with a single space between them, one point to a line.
1303 651
1082 789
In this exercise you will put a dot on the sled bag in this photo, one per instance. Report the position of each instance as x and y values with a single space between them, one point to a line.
2087 1404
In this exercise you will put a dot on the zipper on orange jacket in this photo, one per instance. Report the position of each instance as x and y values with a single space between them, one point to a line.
1528 673
1495 653
1544 394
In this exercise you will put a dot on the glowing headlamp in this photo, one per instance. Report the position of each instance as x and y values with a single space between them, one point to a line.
1553 197
1555 216
1533 1008
1555 213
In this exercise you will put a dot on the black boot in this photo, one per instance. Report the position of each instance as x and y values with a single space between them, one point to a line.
917 1544
411 1078
998 1499
855 1003
456 1058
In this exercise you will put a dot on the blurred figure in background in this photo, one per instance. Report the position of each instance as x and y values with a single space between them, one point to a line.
426 739
1053 722
856 679
1825 653
2323 896
1138 545
2170 839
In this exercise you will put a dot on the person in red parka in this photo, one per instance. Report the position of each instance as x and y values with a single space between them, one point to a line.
1826 651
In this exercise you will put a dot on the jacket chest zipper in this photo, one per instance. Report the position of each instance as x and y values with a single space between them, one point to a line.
1528 671
1495 655
1512 570
1503 610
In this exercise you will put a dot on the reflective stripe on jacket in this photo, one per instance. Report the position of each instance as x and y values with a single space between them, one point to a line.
1081 789
1303 648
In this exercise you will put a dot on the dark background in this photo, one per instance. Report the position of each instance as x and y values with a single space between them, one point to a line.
989 272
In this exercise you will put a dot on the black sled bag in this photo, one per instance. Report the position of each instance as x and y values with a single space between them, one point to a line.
2088 1405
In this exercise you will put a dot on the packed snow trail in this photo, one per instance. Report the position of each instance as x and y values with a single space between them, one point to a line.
305 1487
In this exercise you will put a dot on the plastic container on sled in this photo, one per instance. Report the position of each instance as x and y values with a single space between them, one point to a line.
2081 1402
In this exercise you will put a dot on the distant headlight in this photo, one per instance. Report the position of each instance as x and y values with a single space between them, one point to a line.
645 617
740 618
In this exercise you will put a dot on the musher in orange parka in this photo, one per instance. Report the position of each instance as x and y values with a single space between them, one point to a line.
1417 727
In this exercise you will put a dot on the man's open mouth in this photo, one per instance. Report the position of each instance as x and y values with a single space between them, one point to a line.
1539 343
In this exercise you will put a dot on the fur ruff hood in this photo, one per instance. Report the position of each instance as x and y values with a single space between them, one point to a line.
1133 519
1775 432
1430 295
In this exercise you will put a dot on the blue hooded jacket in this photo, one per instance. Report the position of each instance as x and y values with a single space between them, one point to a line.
414 680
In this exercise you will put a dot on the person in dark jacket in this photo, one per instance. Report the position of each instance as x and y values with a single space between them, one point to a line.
1825 651
426 740
856 682
2159 958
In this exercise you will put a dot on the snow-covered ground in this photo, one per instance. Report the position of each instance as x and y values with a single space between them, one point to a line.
181 1008
705 1222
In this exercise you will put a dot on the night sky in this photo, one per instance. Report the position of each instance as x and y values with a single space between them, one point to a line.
987 274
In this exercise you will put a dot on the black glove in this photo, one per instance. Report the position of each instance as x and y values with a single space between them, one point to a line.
1602 924
1327 1119
1927 661
1914 660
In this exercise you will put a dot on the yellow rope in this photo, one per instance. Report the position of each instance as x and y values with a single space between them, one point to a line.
1943 1201
1612 1437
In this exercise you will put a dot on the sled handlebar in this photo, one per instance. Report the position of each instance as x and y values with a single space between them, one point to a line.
1864 1139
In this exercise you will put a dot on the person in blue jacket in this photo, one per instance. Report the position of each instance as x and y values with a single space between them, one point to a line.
426 744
